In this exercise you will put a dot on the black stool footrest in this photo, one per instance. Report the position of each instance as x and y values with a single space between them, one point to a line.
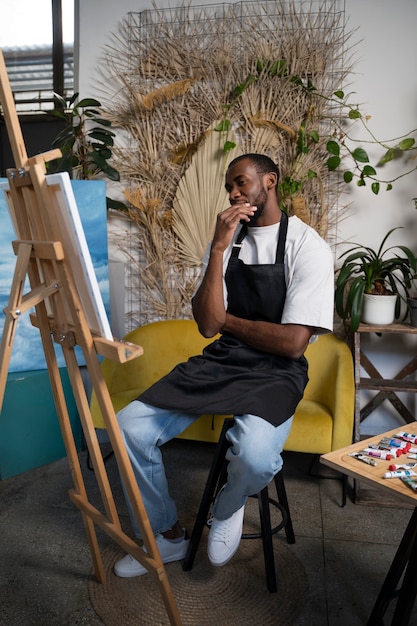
275 529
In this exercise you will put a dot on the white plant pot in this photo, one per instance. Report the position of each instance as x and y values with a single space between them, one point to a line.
378 310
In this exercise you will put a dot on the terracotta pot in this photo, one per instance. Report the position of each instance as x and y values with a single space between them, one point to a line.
378 310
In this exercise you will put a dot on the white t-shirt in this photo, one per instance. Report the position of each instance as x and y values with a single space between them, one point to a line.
309 271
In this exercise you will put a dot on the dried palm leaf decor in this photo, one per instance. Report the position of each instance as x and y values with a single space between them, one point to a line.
200 196
190 88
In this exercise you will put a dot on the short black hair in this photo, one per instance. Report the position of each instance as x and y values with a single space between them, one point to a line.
263 164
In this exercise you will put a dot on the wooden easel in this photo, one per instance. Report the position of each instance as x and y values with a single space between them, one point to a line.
59 316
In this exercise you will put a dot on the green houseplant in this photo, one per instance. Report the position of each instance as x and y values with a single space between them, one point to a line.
386 271
86 142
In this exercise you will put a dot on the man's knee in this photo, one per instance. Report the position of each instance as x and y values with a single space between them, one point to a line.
251 457
257 444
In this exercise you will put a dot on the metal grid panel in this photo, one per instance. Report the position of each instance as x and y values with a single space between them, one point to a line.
227 22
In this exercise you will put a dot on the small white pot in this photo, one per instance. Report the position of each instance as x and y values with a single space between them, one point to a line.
378 310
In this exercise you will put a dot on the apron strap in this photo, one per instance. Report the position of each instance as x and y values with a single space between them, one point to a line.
283 227
282 236
238 243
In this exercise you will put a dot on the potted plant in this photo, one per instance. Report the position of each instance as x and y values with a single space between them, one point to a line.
367 275
86 142
412 302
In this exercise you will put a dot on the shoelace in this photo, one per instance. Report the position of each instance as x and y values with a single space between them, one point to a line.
221 531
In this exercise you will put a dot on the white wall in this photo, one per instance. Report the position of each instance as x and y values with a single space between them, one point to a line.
386 87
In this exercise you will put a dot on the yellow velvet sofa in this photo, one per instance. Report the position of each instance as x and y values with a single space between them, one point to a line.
322 422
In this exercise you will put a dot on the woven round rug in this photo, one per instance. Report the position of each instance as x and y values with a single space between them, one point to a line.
233 594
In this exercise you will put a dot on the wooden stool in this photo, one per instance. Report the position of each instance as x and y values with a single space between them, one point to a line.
216 479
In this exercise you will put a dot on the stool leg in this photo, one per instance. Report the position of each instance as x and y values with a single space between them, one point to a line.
213 481
283 500
268 548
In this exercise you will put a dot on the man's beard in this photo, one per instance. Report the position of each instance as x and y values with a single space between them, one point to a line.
260 203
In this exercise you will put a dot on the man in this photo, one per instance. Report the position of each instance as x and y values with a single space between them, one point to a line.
268 289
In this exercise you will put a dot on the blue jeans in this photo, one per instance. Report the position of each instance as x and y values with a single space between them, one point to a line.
254 459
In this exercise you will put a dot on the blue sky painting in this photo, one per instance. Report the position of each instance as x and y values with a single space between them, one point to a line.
90 196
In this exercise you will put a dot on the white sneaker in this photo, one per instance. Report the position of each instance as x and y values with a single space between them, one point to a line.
170 550
224 538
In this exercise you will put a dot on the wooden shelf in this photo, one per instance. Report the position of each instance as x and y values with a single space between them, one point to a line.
387 388
387 328
388 385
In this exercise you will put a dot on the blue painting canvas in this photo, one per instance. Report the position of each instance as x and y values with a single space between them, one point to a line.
90 197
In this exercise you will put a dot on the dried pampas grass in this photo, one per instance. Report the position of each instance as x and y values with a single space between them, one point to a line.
168 92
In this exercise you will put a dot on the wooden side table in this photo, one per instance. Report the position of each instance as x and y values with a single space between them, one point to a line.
387 388
400 583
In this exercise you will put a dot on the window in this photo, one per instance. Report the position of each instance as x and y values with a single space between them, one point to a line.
37 40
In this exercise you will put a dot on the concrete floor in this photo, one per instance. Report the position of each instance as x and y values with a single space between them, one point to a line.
45 561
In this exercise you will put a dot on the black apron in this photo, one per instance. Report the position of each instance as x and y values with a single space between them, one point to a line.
231 378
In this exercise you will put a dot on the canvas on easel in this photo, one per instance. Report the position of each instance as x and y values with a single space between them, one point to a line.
90 200
68 312
76 249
